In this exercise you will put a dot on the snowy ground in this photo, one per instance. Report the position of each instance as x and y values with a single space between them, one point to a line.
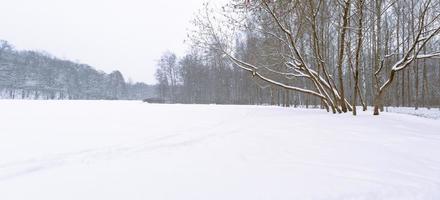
52 150
433 113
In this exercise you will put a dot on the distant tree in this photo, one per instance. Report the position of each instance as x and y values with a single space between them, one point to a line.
168 76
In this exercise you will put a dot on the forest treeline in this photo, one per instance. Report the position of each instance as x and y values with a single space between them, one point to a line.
332 54
37 75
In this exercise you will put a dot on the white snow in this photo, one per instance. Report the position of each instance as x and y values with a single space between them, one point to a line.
110 150
433 113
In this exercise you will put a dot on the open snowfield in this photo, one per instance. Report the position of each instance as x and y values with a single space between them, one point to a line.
433 113
71 150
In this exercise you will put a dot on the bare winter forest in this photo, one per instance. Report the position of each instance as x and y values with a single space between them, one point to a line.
220 99
333 54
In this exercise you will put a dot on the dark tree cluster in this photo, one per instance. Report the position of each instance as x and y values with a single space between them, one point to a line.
37 75
207 78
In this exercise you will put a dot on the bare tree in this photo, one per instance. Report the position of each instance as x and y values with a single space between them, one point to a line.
293 51
413 52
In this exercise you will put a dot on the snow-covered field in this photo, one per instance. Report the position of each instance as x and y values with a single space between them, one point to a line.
52 150
433 113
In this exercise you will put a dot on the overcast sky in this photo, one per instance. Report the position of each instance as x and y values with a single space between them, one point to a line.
125 35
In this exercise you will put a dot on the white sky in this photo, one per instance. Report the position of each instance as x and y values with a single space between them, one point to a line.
125 35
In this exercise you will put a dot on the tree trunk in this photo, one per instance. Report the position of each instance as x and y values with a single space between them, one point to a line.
341 54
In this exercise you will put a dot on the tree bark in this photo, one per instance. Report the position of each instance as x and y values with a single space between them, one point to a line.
341 54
